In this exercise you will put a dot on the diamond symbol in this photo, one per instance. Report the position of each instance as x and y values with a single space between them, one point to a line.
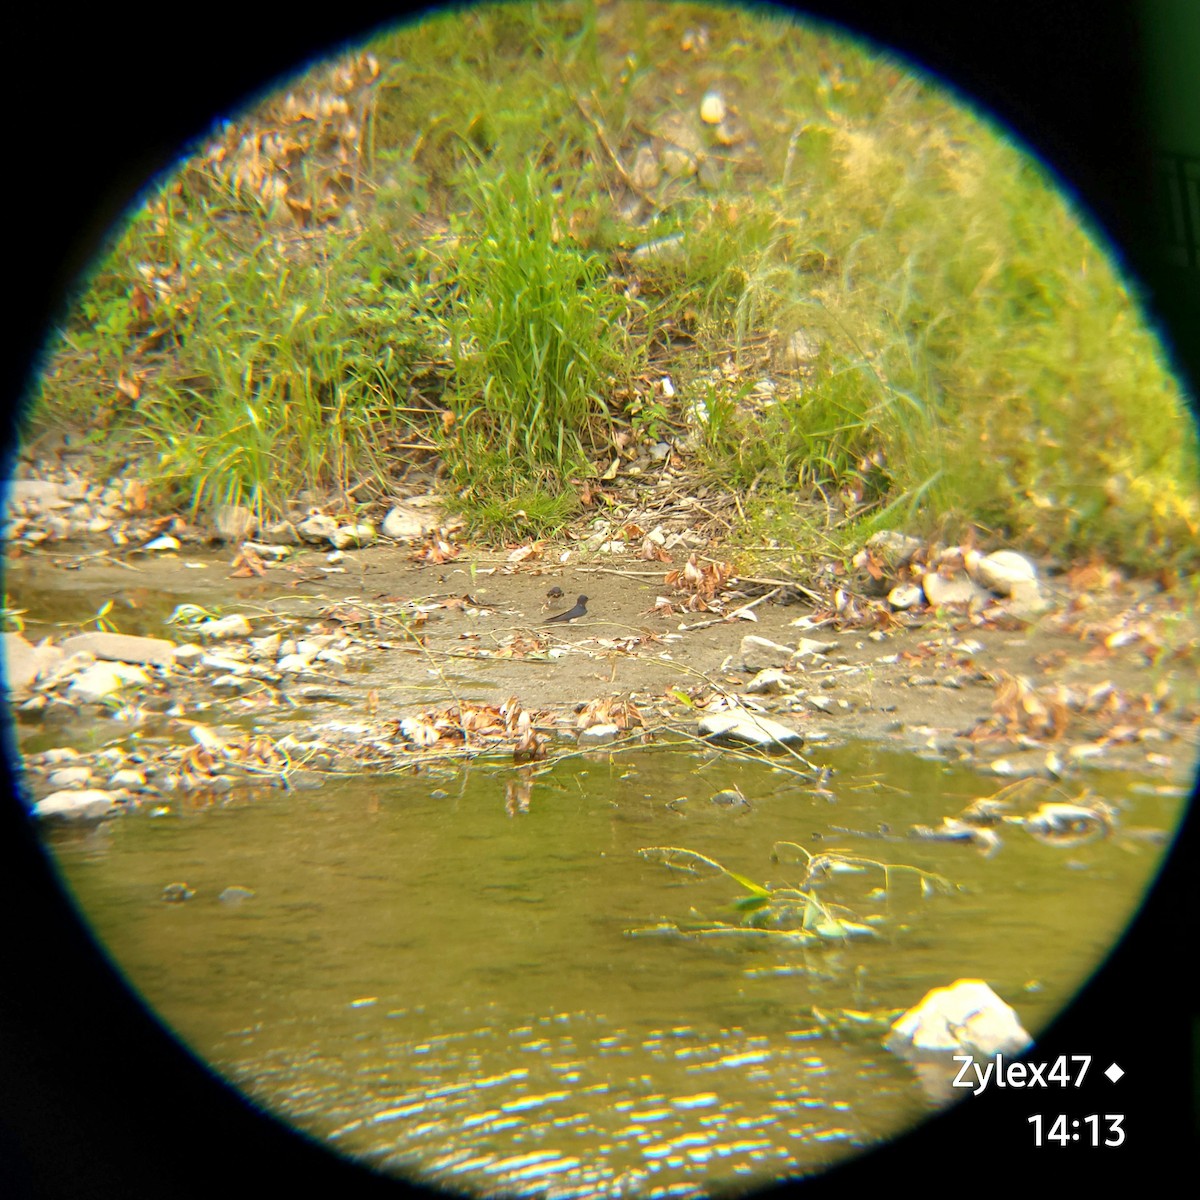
1114 1073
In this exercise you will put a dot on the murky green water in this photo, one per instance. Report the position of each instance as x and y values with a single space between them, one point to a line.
434 973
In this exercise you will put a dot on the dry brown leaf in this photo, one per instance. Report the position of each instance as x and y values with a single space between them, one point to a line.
609 710
529 552
136 496
247 565
517 794
529 747
436 550
653 552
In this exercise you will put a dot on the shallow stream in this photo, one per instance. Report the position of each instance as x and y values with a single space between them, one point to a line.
435 972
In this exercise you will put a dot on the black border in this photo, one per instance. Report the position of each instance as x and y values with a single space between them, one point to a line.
95 1099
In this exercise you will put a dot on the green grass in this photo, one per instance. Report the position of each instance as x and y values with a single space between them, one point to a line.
539 337
466 285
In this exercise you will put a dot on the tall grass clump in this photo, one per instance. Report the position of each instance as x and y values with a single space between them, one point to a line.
289 363
981 358
538 338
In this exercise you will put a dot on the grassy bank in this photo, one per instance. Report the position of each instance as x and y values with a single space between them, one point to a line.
481 245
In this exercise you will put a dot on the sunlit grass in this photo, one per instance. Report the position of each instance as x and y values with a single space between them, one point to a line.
973 357
538 335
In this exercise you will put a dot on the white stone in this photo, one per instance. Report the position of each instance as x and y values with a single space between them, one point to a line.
1025 598
346 537
599 735
122 647
748 728
403 524
905 595
806 647
294 664
770 682
1000 571
266 647
127 778
759 653
234 625
282 533
208 739
966 1017
712 108
21 664
39 495
59 754
74 805
899 547
102 679
958 589
70 777
234 522
317 528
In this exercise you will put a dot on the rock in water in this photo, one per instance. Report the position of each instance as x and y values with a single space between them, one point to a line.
75 805
749 729
965 1018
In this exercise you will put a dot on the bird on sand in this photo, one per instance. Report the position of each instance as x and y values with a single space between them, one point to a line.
571 614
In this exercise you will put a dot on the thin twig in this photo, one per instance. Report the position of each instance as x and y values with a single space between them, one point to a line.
815 597
731 615
602 138
616 571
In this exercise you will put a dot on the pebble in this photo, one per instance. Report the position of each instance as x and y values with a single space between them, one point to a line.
771 682
59 754
235 625
760 653
70 777
75 805
599 735
747 728
127 778
712 108
295 664
234 522
121 647
317 529
958 589
102 679
348 536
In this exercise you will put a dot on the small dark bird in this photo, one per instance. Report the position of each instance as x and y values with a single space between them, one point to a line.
580 610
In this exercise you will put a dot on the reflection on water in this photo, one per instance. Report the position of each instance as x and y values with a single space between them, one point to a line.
443 985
